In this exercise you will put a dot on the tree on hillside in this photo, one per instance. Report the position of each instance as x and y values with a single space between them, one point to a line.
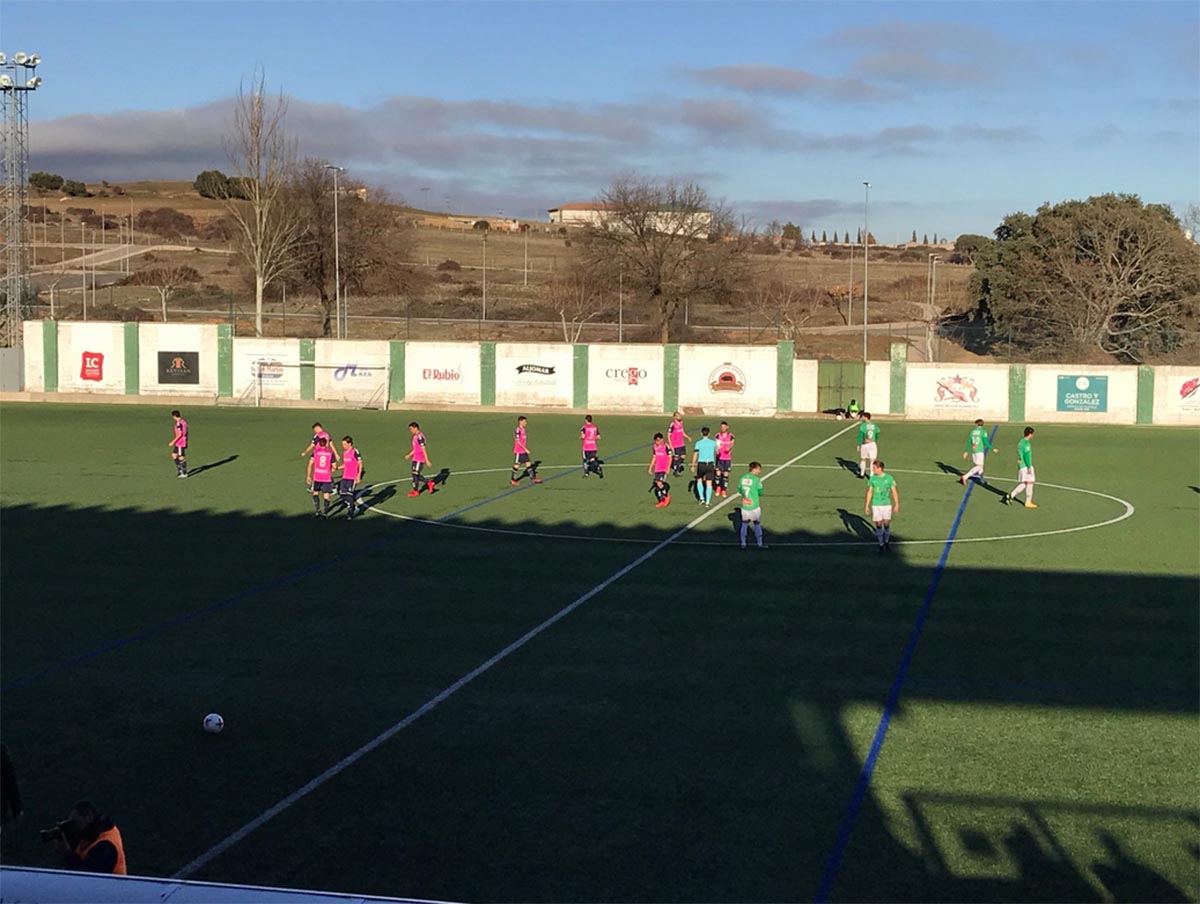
786 304
914 237
167 280
212 184
1108 274
671 242
925 239
792 233
74 188
45 181
263 156
578 297
824 238
971 246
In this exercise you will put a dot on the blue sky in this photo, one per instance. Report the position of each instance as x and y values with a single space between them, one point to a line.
957 113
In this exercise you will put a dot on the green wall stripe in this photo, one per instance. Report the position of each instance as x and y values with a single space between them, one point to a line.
783 380
224 360
1016 393
487 373
581 377
308 375
1145 390
50 355
670 377
396 378
131 359
899 377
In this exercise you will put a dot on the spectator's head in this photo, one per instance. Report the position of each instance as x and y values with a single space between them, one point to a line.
83 815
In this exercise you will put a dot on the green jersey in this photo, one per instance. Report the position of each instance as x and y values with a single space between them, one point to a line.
977 440
868 432
751 489
881 488
1025 453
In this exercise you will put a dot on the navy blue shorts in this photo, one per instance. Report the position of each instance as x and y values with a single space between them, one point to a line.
417 466
345 487
660 475
679 451
181 451
522 458
724 464
322 486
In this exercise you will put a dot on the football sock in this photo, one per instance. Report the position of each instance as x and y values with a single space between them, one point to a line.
707 493
326 505
862 467
1017 489
758 537
743 532
887 533
316 503
879 535
1029 493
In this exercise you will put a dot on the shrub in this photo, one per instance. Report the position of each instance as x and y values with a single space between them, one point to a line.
166 222
46 181
471 290
449 265
482 225
217 229
75 189
212 184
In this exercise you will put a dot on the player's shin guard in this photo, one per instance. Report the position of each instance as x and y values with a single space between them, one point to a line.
879 535
742 532
316 503
758 534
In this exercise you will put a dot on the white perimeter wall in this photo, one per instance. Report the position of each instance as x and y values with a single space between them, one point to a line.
177 337
626 377
1176 394
877 388
35 360
953 392
1041 393
442 373
103 345
278 382
534 374
351 371
804 386
750 392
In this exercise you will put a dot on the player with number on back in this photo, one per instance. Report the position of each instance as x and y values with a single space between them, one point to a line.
750 487
178 444
419 456
317 433
868 433
660 462
882 502
589 436
352 469
521 453
1025 476
978 445
725 443
320 476
677 439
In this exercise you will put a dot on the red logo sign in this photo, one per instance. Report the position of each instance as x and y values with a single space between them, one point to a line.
633 376
91 366
1189 388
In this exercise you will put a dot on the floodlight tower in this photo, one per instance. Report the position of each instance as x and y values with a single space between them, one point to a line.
16 81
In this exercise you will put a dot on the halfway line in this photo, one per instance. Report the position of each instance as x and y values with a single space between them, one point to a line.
431 704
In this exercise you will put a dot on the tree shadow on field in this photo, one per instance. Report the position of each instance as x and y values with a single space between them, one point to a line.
192 472
851 466
1195 489
857 525
718 733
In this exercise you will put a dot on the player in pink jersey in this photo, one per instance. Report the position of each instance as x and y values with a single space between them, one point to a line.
352 471
589 435
521 455
677 439
725 443
660 462
178 444
317 432
320 476
419 456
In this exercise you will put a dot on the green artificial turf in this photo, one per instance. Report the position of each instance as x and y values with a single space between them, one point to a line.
692 731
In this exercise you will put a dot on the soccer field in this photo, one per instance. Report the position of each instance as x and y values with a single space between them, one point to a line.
561 693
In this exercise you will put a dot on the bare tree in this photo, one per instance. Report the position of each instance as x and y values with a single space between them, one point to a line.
787 305
262 156
670 242
166 280
578 298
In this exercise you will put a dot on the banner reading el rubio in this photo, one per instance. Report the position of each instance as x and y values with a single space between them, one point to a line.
178 367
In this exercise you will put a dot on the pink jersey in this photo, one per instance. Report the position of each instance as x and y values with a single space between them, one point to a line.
418 448
662 457
519 441
181 438
675 434
351 464
724 446
322 464
589 432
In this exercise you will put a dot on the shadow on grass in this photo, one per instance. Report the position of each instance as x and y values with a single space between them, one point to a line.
192 472
851 466
652 745
857 525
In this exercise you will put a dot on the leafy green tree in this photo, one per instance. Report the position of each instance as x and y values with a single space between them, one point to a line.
212 184
46 181
824 238
74 189
925 239
791 232
914 237
972 245
1109 274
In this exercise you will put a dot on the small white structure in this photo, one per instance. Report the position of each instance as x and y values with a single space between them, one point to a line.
598 214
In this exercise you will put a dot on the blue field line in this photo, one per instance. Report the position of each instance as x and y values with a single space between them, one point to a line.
287 579
833 861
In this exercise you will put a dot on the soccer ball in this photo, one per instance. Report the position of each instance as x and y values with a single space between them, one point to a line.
213 723
838 416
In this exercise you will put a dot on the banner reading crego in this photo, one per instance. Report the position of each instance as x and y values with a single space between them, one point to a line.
1082 393
178 367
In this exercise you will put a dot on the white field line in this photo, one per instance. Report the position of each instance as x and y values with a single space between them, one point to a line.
346 762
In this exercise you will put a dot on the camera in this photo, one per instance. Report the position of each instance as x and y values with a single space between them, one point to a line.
64 830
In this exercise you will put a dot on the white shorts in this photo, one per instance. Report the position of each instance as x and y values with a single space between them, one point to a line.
750 515
868 450
881 513
1025 475
977 459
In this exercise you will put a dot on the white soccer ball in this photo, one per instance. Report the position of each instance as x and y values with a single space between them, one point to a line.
837 417
213 723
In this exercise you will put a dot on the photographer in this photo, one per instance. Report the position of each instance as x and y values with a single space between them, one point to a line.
89 841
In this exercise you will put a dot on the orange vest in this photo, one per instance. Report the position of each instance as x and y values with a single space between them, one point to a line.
112 835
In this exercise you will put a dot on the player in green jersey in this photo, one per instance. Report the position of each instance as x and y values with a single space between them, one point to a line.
882 503
1025 476
868 432
750 487
978 445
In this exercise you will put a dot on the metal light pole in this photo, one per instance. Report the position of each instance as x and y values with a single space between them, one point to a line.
484 317
866 258
526 280
425 198
850 292
621 307
337 270
16 81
